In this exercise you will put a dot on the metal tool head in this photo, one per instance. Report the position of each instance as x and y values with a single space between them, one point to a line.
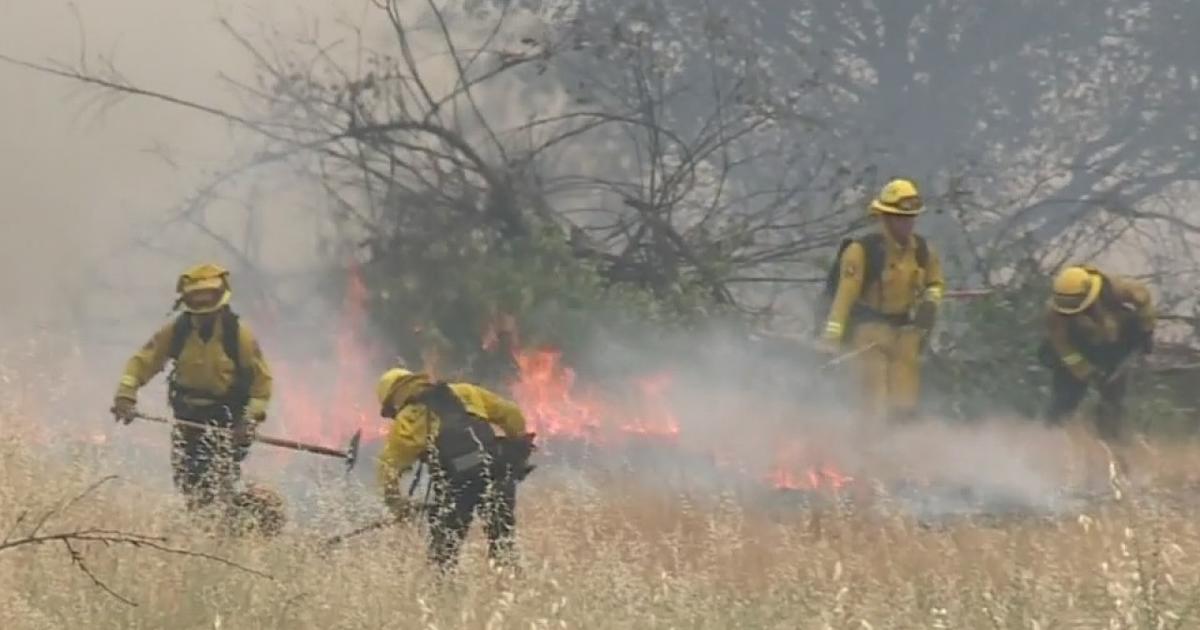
352 451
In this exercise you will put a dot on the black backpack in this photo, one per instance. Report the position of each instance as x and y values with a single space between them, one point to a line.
239 391
464 442
874 247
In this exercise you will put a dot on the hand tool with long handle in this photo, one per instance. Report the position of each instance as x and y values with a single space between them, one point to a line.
350 454
846 356
416 509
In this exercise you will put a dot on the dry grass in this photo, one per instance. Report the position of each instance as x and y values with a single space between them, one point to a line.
614 556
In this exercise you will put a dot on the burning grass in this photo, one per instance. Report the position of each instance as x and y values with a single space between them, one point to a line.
612 552
642 519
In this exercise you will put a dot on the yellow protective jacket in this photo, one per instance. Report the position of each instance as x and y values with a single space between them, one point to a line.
414 426
900 285
202 366
1124 304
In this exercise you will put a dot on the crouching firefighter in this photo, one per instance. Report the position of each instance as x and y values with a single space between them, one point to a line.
881 300
1095 324
219 378
448 427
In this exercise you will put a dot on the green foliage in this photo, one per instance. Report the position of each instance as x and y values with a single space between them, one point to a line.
445 296
1154 409
985 358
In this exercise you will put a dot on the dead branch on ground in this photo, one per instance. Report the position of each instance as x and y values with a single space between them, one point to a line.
74 541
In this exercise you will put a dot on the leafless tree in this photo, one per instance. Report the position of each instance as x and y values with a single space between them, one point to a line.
725 149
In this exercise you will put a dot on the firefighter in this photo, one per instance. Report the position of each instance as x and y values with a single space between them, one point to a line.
219 378
1095 323
448 427
884 294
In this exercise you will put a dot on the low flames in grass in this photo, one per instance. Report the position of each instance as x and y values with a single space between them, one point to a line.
323 406
546 390
788 474
559 408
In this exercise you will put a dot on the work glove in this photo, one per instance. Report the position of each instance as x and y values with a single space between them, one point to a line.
925 316
124 409
246 428
244 431
519 448
830 346
401 507
515 453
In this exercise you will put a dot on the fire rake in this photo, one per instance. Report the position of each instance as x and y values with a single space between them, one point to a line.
350 454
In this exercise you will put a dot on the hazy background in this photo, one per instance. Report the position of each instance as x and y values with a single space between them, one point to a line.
93 191
89 182
87 176
78 181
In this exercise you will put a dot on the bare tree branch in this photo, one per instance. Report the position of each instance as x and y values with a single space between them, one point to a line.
107 537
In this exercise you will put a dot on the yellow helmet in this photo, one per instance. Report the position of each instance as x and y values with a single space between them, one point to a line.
204 288
389 380
899 196
1075 289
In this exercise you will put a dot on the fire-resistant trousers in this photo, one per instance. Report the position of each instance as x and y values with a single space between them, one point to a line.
888 369
1067 391
206 464
455 502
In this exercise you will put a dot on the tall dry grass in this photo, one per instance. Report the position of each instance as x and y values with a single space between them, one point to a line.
612 554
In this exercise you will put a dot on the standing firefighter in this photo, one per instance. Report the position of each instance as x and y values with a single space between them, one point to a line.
1095 323
883 294
448 426
220 378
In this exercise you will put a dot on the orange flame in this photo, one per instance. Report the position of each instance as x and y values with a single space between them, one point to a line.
656 417
324 404
545 388
546 391
788 472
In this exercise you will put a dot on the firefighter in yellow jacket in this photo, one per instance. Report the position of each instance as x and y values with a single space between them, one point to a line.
449 428
220 378
889 287
1094 323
